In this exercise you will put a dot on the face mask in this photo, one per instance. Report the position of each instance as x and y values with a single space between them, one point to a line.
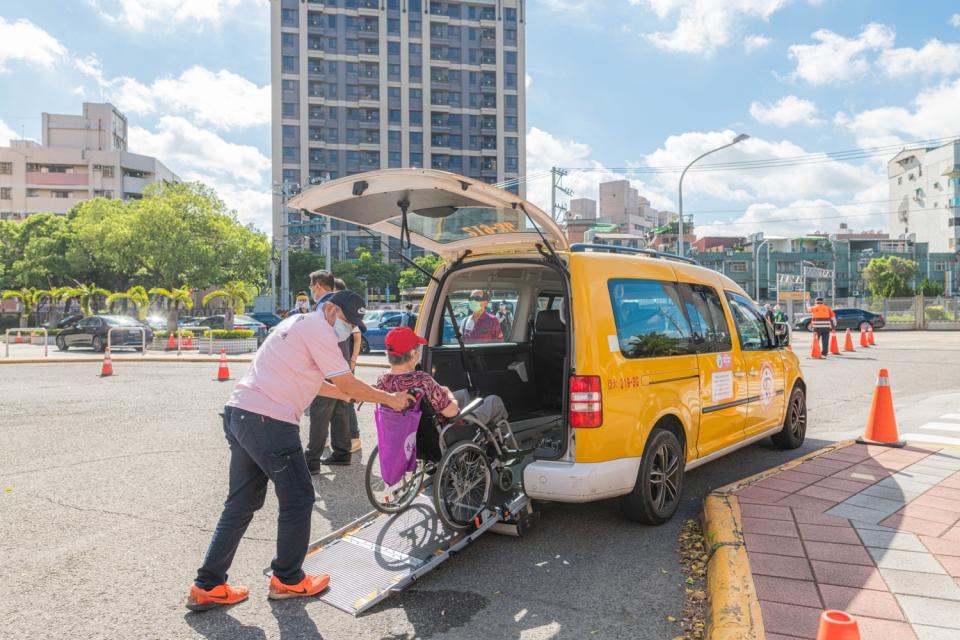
475 306
342 329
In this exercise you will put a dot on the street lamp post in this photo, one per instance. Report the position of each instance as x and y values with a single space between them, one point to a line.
756 267
740 138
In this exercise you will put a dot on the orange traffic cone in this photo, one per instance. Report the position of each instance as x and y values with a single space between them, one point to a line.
882 423
834 347
863 339
171 343
815 351
107 369
19 339
223 373
872 342
189 341
838 625
848 342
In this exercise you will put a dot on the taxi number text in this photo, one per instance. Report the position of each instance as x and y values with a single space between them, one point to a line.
496 228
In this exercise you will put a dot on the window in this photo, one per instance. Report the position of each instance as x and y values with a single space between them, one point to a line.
510 57
393 26
6 168
486 328
649 318
939 266
738 267
393 48
6 193
709 324
290 110
289 64
753 328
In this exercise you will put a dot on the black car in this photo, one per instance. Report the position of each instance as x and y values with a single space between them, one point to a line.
267 318
853 319
92 331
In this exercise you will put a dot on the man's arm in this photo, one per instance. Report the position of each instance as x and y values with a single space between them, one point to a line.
354 388
356 350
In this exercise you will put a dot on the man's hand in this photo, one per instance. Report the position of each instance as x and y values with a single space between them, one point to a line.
400 401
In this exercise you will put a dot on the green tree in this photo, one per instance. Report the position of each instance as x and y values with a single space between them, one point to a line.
136 295
367 271
237 295
27 299
177 299
302 264
86 294
930 288
9 250
40 253
411 278
890 276
103 248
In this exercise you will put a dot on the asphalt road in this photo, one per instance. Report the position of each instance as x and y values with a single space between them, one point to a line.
109 490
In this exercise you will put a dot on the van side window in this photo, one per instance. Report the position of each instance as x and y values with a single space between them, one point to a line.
707 320
752 326
650 319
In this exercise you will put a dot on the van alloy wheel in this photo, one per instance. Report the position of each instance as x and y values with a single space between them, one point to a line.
664 477
794 429
656 494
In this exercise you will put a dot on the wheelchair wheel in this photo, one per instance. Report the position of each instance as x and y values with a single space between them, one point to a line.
462 485
391 498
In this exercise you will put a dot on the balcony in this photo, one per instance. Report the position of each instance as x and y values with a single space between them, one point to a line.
58 179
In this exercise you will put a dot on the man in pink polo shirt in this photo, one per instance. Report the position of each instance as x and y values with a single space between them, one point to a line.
262 425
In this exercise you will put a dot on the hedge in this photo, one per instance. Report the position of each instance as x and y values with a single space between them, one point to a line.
223 334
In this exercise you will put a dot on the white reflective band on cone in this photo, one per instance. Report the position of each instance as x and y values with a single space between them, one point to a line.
883 381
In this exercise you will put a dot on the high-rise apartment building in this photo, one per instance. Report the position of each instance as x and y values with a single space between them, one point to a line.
925 196
360 85
80 157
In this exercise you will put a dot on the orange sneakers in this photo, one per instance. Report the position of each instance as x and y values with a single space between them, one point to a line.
309 586
224 594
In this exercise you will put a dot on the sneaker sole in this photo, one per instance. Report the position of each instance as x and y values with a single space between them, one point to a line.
206 606
287 596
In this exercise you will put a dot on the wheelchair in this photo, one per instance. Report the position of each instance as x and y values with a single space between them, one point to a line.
463 461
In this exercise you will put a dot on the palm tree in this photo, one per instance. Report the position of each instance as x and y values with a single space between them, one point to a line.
86 293
54 294
237 295
137 295
27 299
177 298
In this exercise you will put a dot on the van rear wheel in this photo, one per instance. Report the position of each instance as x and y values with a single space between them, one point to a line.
656 495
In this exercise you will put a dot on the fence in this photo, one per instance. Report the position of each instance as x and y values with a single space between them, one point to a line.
899 314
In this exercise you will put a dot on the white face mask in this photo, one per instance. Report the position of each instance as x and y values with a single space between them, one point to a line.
342 329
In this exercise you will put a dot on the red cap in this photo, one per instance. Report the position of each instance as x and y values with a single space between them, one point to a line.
403 339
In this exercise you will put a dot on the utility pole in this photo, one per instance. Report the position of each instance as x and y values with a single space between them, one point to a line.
285 190
558 210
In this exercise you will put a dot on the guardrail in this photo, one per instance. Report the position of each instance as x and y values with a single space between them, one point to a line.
6 338
143 337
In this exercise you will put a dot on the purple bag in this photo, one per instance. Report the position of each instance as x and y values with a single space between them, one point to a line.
397 441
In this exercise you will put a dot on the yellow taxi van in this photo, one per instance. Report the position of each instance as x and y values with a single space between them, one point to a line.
623 368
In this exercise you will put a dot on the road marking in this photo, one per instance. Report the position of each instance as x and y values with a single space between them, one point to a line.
927 437
950 416
953 427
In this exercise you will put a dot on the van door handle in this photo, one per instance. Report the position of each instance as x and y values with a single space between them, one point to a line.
739 374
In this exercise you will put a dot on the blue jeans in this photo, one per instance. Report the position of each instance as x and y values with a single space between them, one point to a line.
262 449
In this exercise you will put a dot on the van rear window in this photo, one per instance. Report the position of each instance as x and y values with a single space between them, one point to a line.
649 318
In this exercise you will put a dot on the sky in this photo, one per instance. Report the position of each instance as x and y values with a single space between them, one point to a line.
611 84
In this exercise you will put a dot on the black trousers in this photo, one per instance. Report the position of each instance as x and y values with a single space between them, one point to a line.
262 449
824 335
328 417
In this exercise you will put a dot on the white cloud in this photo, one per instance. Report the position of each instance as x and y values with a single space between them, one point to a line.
7 134
934 115
23 41
837 58
567 6
786 111
253 205
934 58
703 26
186 148
527 81
756 41
955 20
139 14
219 98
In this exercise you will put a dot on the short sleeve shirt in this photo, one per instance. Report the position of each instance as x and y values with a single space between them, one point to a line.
400 382
486 328
290 368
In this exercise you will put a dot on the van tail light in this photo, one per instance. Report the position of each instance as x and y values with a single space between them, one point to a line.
586 402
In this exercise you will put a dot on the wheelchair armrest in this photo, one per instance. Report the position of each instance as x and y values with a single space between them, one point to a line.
469 409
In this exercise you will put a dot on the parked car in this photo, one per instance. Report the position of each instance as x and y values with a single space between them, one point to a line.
239 322
375 317
267 318
91 331
853 319
374 339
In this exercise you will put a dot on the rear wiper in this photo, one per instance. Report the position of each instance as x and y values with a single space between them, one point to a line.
400 255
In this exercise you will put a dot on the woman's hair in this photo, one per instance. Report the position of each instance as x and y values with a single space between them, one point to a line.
402 358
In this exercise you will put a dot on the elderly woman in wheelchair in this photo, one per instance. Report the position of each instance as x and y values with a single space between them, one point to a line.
462 447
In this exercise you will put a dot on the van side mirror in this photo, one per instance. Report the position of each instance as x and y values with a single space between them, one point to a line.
782 330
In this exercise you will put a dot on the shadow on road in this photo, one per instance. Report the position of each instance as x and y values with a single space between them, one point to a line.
220 625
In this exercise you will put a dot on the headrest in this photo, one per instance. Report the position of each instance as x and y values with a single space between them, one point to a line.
548 320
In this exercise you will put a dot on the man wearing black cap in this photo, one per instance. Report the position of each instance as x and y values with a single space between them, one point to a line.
261 421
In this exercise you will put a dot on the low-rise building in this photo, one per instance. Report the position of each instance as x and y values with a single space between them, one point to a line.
80 157
925 196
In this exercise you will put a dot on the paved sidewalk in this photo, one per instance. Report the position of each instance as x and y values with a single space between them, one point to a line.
869 530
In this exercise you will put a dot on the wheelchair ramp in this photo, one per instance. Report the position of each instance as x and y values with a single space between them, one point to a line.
379 554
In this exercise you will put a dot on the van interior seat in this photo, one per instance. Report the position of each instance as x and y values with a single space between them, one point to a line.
549 346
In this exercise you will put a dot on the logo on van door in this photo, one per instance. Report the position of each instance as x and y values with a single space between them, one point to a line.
767 384
724 360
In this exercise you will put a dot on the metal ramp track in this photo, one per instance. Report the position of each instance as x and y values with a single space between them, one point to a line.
379 554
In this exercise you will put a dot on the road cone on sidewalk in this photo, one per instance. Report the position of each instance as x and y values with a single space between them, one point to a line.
834 347
223 373
863 338
107 369
871 340
189 341
171 343
848 342
838 625
815 352
882 423
19 339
